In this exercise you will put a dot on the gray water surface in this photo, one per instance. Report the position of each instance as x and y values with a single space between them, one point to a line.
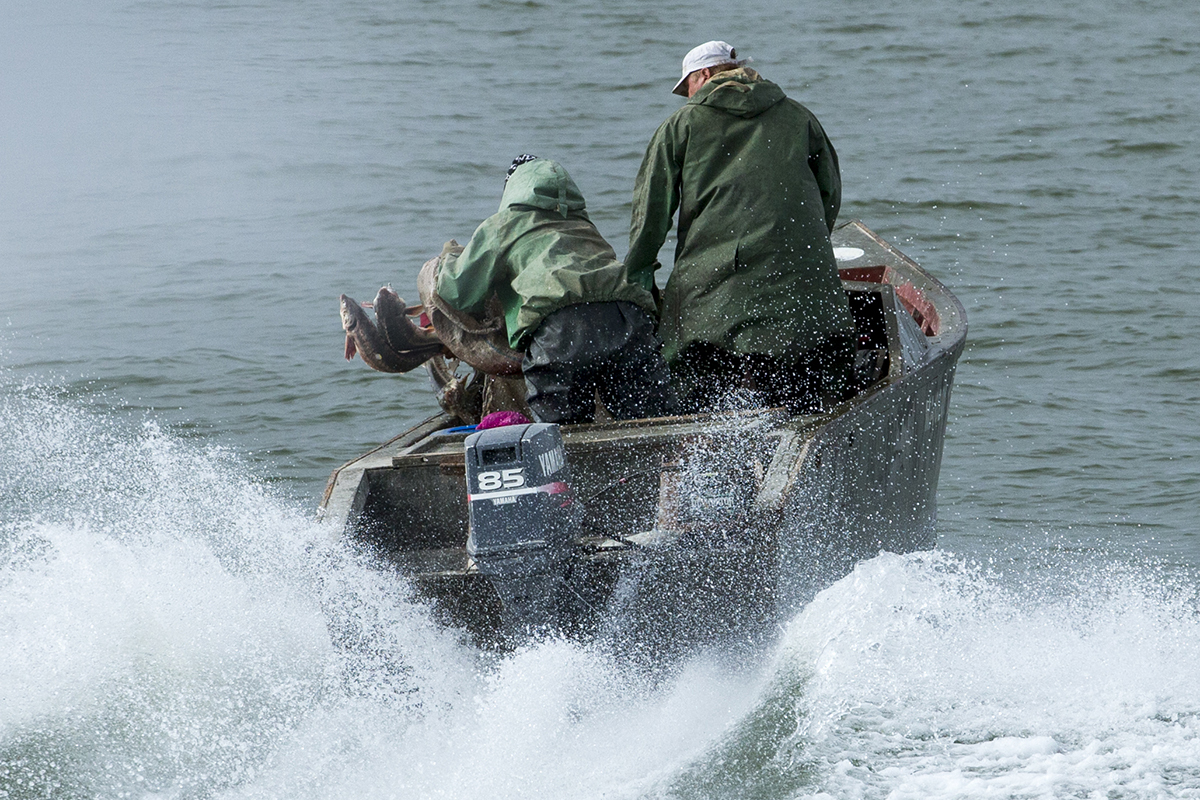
185 190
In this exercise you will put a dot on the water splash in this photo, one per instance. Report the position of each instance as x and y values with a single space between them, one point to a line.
931 678
165 623
169 628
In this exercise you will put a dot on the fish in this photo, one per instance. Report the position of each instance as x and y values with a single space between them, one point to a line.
392 318
365 339
481 343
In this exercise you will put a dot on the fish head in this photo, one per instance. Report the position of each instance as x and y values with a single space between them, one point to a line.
351 313
386 294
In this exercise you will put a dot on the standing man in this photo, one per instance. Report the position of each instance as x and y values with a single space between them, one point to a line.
754 300
568 304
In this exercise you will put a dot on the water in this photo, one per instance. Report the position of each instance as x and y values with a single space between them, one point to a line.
185 188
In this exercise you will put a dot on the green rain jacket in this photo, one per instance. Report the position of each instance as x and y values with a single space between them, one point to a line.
538 253
757 187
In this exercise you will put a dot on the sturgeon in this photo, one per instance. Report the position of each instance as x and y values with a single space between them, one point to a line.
364 338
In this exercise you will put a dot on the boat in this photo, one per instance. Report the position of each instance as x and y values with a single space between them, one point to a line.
705 528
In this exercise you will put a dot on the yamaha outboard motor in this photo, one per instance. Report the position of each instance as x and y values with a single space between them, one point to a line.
523 520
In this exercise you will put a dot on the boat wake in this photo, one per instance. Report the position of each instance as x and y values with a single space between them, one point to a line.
171 628
929 677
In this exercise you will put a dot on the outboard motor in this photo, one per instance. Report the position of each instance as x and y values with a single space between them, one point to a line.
523 520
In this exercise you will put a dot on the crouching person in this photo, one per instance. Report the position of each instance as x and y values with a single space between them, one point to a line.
568 303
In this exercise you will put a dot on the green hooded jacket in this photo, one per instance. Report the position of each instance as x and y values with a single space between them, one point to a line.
538 253
757 187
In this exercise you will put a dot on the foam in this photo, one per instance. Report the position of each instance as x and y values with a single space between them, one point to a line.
930 678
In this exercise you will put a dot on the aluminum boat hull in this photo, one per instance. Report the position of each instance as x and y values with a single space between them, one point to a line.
706 527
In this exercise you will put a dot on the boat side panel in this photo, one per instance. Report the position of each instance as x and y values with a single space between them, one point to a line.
417 507
867 483
344 498
618 484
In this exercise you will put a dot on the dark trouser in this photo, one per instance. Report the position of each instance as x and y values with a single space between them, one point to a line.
814 381
607 347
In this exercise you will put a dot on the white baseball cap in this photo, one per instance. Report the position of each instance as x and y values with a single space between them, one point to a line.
709 54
